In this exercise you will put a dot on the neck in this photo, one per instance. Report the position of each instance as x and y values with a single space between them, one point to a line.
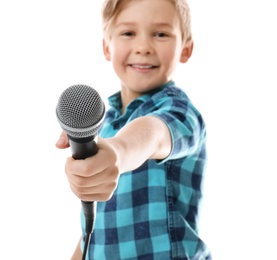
127 97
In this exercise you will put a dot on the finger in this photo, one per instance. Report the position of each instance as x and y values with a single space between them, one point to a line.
97 197
108 177
85 191
63 141
87 167
99 193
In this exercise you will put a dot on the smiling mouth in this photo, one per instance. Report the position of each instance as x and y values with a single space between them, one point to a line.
136 66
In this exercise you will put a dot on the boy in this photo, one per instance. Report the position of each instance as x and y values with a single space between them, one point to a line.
148 171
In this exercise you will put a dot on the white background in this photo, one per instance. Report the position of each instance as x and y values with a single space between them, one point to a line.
46 46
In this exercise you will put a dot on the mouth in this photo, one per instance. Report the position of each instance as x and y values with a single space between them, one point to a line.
143 66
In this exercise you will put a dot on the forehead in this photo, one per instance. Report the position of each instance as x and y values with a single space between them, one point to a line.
147 11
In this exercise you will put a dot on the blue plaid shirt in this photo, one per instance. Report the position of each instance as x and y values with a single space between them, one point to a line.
153 212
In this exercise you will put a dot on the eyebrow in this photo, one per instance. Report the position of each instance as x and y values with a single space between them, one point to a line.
132 24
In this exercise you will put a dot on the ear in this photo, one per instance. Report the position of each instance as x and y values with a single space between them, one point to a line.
106 50
186 52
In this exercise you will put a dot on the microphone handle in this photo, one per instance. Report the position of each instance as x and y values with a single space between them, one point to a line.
83 148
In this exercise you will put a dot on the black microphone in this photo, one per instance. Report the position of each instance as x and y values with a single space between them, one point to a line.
80 112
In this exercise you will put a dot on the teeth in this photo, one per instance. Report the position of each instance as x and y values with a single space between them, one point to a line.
142 67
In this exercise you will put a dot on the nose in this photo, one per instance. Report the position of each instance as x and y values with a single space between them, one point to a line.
143 46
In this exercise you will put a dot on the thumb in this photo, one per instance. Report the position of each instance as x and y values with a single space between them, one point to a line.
62 141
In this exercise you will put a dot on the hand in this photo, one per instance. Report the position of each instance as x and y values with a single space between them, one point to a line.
94 178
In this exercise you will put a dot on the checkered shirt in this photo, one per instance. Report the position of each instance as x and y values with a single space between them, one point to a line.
153 212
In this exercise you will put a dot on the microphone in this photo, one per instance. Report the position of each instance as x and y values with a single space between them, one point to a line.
80 113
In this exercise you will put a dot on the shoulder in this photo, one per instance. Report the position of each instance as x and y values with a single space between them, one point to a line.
170 91
168 99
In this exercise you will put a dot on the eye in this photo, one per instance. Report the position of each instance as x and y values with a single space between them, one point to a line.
128 33
160 34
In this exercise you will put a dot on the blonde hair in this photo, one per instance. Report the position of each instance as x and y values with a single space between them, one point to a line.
111 9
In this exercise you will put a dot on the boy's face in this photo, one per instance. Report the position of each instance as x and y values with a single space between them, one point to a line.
145 45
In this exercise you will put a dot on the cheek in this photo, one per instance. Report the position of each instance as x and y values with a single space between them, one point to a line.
118 59
118 52
169 58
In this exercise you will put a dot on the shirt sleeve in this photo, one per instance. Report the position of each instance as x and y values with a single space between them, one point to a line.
185 123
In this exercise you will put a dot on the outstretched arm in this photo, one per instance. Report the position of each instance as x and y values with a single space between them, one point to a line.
142 139
95 178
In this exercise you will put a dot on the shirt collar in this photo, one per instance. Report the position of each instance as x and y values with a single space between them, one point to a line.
115 99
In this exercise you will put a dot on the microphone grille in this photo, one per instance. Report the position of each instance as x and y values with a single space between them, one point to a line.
80 111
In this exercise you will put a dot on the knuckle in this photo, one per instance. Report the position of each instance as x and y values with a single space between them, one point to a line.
113 185
80 182
79 190
86 169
